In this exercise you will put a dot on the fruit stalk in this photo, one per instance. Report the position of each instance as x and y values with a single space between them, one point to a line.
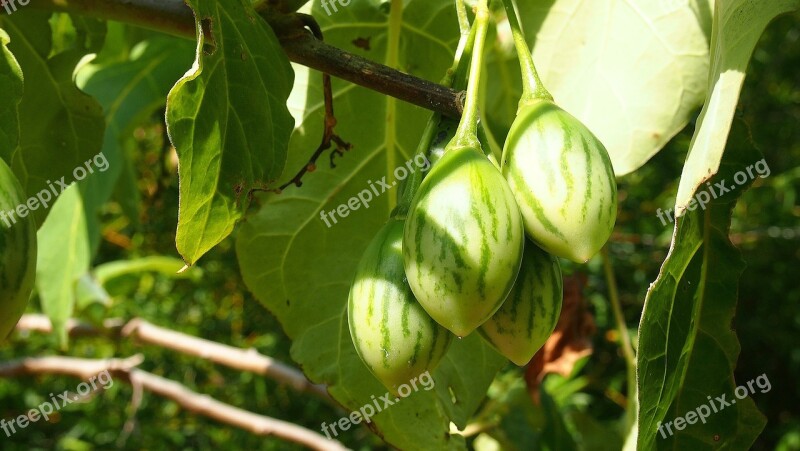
467 133
532 87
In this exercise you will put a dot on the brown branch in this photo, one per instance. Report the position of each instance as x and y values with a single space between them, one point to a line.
245 360
180 394
174 17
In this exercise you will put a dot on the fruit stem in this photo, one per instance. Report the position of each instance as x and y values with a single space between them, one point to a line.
624 337
409 190
466 135
533 89
456 72
463 19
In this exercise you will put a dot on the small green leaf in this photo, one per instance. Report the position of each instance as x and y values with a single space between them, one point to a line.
10 96
738 24
228 120
63 258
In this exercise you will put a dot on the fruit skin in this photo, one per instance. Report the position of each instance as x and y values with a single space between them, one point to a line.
563 181
17 254
463 241
529 315
392 334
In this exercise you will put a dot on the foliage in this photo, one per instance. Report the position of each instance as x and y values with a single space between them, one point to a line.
274 276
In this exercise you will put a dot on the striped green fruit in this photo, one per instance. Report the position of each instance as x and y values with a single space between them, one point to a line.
529 315
17 253
563 181
392 334
463 241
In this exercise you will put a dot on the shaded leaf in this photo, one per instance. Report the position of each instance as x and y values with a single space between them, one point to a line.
228 120
129 92
63 258
687 349
10 96
56 118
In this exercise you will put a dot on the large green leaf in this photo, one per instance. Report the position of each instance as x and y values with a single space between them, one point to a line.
687 349
60 126
10 96
129 91
228 120
633 71
301 269
737 26
63 258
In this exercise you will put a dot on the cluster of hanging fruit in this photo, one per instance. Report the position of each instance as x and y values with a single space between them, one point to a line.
454 256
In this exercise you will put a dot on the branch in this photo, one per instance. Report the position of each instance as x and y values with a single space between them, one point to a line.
240 359
176 18
187 399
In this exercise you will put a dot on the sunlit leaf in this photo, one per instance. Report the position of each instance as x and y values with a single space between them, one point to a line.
633 71
737 26
228 120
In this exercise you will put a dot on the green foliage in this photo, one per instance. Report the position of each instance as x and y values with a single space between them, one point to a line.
55 117
239 70
635 74
17 253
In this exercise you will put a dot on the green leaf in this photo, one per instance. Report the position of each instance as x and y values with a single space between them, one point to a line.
633 72
56 118
129 92
301 269
228 120
738 24
10 96
687 350
63 258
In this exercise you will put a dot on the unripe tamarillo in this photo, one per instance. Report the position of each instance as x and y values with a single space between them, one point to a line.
530 313
563 181
392 334
463 241
17 254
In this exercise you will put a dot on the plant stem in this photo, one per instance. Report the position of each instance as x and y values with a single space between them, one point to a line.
175 17
532 87
459 67
467 133
624 337
463 19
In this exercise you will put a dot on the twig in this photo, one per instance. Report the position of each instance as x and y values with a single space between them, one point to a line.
240 359
624 337
176 18
328 135
184 397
